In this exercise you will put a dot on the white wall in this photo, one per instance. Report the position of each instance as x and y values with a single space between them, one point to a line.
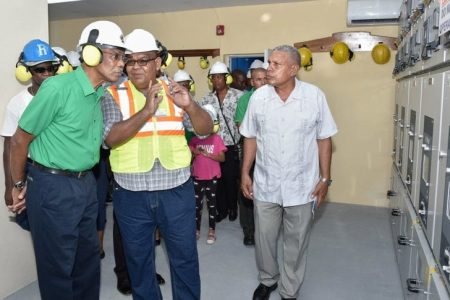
21 21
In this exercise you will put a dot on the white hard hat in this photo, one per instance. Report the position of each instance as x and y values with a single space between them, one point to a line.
74 58
257 64
181 75
102 33
60 51
140 40
219 68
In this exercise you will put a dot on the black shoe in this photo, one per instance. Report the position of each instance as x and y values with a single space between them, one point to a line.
157 242
249 240
160 279
102 254
233 215
124 287
288 298
262 292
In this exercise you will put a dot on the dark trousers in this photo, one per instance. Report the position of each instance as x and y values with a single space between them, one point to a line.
227 186
101 173
208 188
119 256
62 212
246 217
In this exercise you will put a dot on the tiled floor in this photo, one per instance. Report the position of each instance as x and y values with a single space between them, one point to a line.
351 257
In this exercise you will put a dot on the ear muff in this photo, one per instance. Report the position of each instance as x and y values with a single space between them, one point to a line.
306 60
192 85
228 79
210 85
22 72
64 65
340 53
204 62
181 63
166 57
216 126
90 52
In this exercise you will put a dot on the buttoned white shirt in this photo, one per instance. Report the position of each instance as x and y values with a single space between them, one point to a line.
287 159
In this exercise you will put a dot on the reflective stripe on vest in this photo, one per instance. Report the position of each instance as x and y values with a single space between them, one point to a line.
164 122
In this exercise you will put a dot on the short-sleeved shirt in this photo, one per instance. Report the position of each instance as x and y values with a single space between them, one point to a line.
242 106
287 160
14 110
229 136
158 178
205 168
66 119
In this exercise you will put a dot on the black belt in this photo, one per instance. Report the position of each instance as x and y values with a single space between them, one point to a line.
58 171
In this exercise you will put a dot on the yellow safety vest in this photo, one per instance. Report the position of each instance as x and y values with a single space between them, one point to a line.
162 136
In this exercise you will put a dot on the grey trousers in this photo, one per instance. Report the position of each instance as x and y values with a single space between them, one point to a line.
294 224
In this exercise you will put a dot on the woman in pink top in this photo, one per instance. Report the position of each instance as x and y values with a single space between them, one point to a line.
208 153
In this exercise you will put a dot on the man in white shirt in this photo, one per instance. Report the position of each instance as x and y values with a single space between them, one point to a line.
287 128
36 63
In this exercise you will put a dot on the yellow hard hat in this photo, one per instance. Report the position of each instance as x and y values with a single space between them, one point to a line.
306 58
381 53
340 53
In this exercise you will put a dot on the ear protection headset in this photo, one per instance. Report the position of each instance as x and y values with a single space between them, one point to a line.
181 63
228 78
166 58
91 54
23 74
204 62
64 64
216 126
192 85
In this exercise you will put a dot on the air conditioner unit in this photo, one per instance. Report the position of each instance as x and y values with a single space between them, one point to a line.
373 12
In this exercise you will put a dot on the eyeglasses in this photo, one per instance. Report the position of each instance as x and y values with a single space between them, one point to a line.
140 62
115 57
49 69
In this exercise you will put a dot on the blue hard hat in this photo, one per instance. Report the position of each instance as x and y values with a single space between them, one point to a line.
36 52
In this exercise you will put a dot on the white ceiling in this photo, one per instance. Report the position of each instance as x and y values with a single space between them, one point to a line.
103 8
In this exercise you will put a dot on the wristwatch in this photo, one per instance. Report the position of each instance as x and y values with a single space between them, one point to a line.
19 185
327 181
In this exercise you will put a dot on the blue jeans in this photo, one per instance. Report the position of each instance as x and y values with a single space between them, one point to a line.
173 212
62 212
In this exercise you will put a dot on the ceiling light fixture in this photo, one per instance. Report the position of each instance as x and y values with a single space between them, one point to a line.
60 1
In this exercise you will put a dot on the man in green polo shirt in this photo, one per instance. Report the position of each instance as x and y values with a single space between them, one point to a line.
62 130
258 79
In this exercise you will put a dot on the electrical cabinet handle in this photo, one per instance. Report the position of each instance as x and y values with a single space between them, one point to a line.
446 269
447 170
410 133
413 285
442 154
391 193
422 212
404 240
425 147
396 212
420 136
